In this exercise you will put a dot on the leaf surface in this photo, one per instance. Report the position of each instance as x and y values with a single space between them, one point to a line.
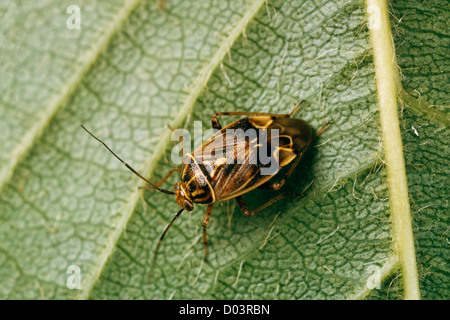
66 201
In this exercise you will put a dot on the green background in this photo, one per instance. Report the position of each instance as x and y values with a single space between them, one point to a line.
132 69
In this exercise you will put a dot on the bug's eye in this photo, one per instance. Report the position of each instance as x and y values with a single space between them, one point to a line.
191 187
188 205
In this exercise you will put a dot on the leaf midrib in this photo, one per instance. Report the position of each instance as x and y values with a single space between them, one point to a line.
387 93
196 89
56 102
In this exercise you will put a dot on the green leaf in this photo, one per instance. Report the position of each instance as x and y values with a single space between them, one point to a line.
422 45
132 70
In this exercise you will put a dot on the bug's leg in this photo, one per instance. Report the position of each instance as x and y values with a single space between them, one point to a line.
162 180
216 124
215 121
321 130
244 208
204 225
296 108
277 185
272 186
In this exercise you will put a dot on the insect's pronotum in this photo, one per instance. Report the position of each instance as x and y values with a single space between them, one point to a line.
207 178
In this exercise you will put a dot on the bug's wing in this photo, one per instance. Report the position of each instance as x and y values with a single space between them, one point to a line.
293 133
229 160
286 137
247 153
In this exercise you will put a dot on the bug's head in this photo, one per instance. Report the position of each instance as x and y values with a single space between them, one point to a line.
182 198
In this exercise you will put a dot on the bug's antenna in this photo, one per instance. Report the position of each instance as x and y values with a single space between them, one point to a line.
149 279
127 165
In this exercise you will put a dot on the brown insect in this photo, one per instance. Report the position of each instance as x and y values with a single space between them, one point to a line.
207 175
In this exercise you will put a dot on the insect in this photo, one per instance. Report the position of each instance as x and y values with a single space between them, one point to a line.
207 177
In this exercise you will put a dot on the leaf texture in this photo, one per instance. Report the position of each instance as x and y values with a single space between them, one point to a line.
133 70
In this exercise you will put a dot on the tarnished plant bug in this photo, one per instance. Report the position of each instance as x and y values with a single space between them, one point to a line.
208 176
